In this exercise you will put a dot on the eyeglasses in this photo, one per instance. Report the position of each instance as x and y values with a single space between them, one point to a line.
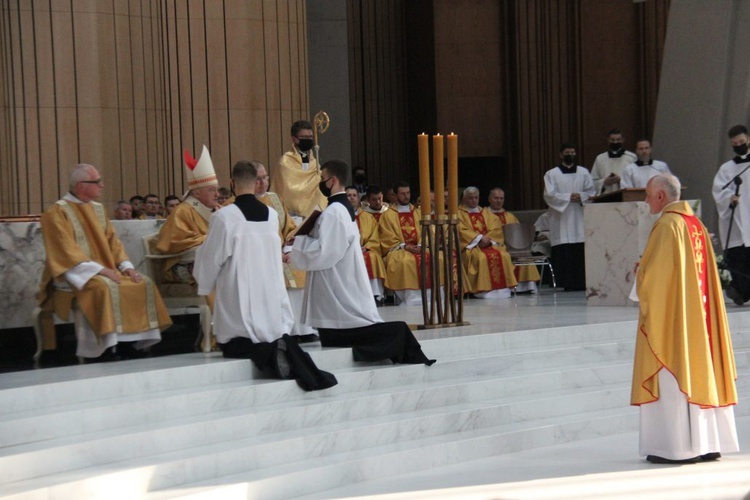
97 181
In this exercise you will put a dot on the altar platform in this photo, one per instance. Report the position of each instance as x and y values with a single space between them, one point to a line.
529 401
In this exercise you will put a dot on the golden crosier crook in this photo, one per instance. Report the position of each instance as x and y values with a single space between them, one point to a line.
321 122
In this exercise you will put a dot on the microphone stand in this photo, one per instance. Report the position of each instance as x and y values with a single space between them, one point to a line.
737 180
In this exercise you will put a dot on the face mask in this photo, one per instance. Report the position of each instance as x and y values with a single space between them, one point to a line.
305 144
615 146
324 189
740 150
569 159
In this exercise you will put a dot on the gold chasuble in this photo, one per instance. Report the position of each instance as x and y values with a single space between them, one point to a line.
293 278
298 188
80 232
522 273
184 229
487 268
682 325
369 238
402 268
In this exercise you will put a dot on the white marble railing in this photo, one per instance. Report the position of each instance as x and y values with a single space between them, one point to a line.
22 261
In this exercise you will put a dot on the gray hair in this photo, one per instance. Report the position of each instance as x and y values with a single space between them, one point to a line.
470 190
79 173
670 184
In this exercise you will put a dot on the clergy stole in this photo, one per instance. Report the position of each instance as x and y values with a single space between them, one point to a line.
493 255
410 235
698 245
368 261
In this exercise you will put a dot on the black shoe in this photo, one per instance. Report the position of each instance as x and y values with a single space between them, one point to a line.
710 457
660 460
735 295
306 339
281 363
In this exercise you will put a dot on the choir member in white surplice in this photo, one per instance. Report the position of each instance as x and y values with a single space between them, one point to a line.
338 299
637 174
241 257
566 188
608 166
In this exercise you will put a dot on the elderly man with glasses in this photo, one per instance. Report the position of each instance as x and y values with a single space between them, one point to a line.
86 264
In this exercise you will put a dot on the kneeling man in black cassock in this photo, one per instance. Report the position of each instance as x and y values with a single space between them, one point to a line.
241 258
338 298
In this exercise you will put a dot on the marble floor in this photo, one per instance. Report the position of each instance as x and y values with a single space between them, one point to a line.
602 467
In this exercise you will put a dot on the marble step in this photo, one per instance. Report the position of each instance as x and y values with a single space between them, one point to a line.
162 406
319 474
150 437
273 449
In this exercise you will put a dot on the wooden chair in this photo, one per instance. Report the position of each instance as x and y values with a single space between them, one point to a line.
176 295
518 240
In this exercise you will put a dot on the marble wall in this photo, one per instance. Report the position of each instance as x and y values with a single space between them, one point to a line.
22 261
616 235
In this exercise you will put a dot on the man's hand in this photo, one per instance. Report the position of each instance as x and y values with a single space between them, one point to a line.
611 179
111 274
286 258
411 248
575 198
735 200
134 275
484 242
365 250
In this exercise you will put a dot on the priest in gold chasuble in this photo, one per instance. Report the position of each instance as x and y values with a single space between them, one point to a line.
87 267
527 276
684 371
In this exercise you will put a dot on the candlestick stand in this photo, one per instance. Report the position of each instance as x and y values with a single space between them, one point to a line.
440 239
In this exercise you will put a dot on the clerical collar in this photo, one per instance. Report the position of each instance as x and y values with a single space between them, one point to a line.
497 211
199 207
568 169
402 209
72 198
644 163
253 209
618 154
474 210
341 198
741 159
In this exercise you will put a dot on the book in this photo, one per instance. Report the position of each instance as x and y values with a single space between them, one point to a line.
309 223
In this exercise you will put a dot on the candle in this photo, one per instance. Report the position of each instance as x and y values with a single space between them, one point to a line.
424 172
437 172
452 141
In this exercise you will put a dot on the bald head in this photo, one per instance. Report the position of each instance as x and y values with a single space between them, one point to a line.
662 190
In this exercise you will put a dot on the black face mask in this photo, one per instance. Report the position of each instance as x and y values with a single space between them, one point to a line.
740 150
324 189
615 146
305 144
569 159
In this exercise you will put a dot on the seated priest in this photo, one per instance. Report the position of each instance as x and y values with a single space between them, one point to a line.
372 202
487 265
400 239
187 226
86 266
294 279
369 241
527 276
241 259
337 293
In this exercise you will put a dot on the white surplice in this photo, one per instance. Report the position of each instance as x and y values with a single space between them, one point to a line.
604 166
637 176
741 227
566 217
337 291
242 261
